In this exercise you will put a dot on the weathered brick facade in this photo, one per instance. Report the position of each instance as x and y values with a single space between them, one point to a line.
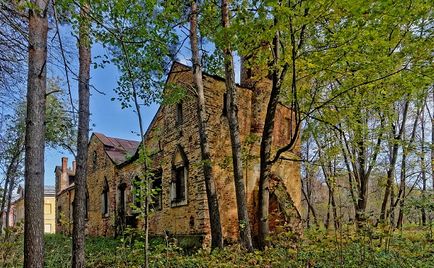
173 142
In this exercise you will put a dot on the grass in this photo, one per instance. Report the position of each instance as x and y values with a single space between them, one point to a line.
409 248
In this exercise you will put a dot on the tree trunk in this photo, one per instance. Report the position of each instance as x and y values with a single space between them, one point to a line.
394 156
402 187
432 141
3 202
35 137
310 209
392 201
213 206
243 216
9 199
423 167
11 175
362 201
265 151
327 221
79 209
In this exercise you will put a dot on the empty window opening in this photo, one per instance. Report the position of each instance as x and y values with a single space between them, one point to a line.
179 116
105 199
157 194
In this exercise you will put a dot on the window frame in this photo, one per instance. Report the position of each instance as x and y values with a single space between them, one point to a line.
179 115
178 164
105 199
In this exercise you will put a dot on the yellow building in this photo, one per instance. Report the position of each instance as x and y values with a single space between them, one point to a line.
17 209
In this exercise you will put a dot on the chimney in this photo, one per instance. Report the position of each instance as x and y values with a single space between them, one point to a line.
64 164
74 167
255 74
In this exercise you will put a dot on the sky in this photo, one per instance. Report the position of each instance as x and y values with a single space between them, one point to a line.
107 117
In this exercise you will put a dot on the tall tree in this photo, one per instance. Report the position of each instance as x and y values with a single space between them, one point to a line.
79 210
232 112
213 206
35 135
396 133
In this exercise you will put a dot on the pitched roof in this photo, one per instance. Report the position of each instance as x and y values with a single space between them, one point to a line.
49 190
119 150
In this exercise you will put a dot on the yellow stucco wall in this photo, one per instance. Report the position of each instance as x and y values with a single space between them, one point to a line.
49 213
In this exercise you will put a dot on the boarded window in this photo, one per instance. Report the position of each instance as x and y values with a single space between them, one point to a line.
47 208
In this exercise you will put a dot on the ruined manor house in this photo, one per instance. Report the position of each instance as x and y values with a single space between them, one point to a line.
172 140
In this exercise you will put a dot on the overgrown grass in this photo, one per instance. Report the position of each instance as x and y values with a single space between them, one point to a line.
374 248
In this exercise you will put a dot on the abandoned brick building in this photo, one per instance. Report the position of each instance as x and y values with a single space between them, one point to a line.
172 139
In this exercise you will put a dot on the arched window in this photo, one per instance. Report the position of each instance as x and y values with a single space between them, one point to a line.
122 205
105 199
179 178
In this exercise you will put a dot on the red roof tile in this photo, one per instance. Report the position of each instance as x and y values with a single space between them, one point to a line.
119 150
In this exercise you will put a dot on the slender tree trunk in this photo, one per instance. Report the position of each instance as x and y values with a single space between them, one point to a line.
243 216
35 137
402 187
392 201
79 209
423 167
265 151
334 208
327 221
405 150
8 207
11 175
213 206
310 209
432 141
394 155
3 202
362 202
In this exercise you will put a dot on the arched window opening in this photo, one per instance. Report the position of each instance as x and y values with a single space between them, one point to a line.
122 208
157 194
105 199
179 178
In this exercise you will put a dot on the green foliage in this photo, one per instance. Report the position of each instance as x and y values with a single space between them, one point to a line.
141 39
11 246
316 249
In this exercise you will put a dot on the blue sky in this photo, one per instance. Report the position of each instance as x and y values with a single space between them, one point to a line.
106 116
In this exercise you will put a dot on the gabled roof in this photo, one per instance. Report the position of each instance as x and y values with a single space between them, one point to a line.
118 150
181 69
